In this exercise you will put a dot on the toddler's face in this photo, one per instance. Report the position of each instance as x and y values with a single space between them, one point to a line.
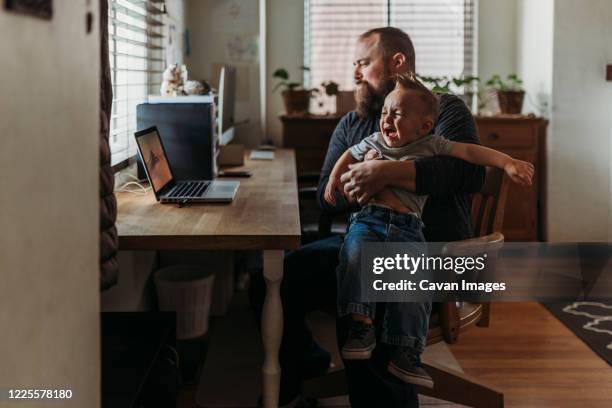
401 121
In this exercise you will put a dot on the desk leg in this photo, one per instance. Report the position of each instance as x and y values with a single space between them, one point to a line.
272 327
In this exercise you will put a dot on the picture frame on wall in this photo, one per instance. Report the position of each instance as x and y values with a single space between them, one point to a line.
35 8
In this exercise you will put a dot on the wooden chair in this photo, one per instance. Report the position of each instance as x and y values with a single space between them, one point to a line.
453 318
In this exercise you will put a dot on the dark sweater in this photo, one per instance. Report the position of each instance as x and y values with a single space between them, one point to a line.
448 181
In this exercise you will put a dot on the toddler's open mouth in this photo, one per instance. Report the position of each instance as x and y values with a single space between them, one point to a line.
390 132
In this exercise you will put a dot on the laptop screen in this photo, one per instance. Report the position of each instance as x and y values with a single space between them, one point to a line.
154 159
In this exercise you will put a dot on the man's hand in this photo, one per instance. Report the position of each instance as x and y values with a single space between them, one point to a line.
521 172
363 181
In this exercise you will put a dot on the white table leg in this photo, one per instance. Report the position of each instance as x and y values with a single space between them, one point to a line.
272 327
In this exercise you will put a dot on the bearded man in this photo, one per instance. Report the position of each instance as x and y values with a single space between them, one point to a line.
309 281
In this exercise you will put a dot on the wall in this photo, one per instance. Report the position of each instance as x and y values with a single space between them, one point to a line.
563 48
49 294
175 11
227 32
496 37
535 27
580 179
285 49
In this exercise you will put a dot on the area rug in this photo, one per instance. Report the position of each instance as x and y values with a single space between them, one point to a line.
590 321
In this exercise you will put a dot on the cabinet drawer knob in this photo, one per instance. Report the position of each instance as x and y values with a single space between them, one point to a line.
493 136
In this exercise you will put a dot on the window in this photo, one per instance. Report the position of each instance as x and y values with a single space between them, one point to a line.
442 32
136 50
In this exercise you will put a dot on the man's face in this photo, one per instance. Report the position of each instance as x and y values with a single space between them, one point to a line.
402 121
372 76
369 63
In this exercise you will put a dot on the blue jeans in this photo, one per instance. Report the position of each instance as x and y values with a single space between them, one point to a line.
405 324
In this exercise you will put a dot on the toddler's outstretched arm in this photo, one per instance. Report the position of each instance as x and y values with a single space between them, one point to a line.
520 171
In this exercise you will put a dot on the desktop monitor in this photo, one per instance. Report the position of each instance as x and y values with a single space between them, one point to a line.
187 132
226 106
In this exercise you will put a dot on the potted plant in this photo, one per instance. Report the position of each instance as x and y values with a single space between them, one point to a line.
329 99
510 93
469 90
295 97
462 86
331 88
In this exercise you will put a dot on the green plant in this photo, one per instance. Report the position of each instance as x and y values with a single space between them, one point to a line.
466 81
438 84
283 76
512 83
443 84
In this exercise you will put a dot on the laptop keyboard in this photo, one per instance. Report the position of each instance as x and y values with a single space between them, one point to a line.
189 189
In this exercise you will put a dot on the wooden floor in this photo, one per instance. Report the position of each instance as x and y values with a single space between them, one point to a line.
535 360
528 354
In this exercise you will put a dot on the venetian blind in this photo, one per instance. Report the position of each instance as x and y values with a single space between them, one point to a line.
136 51
442 32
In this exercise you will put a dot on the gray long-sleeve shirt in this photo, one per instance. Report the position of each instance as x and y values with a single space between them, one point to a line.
446 180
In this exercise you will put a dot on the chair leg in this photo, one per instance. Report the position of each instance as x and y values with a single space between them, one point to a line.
453 386
486 313
449 317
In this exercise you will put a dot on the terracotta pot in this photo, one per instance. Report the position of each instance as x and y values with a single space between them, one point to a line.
511 101
296 101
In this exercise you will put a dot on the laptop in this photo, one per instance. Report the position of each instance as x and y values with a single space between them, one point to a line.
166 188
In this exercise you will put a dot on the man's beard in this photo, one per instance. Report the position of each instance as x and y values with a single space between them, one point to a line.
370 100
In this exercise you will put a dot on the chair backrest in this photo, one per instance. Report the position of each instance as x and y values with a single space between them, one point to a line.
489 205
490 243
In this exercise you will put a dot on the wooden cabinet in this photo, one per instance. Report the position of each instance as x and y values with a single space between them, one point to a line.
525 139
309 135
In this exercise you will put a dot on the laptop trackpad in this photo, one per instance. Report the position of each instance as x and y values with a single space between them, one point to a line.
222 190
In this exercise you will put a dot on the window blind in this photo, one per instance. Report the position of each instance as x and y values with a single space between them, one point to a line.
136 51
442 32
331 30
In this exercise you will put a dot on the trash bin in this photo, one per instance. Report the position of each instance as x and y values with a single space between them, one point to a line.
186 290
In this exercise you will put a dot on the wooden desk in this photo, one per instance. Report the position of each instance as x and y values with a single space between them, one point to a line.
263 216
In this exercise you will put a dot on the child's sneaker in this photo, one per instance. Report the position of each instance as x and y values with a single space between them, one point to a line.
407 367
360 342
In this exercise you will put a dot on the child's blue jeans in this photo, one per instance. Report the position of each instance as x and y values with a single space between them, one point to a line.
405 324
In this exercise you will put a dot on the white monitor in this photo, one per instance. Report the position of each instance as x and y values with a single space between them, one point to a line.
227 98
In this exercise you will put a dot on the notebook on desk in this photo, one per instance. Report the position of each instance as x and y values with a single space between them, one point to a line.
163 183
262 155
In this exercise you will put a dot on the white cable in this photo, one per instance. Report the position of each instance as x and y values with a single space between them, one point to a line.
142 190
